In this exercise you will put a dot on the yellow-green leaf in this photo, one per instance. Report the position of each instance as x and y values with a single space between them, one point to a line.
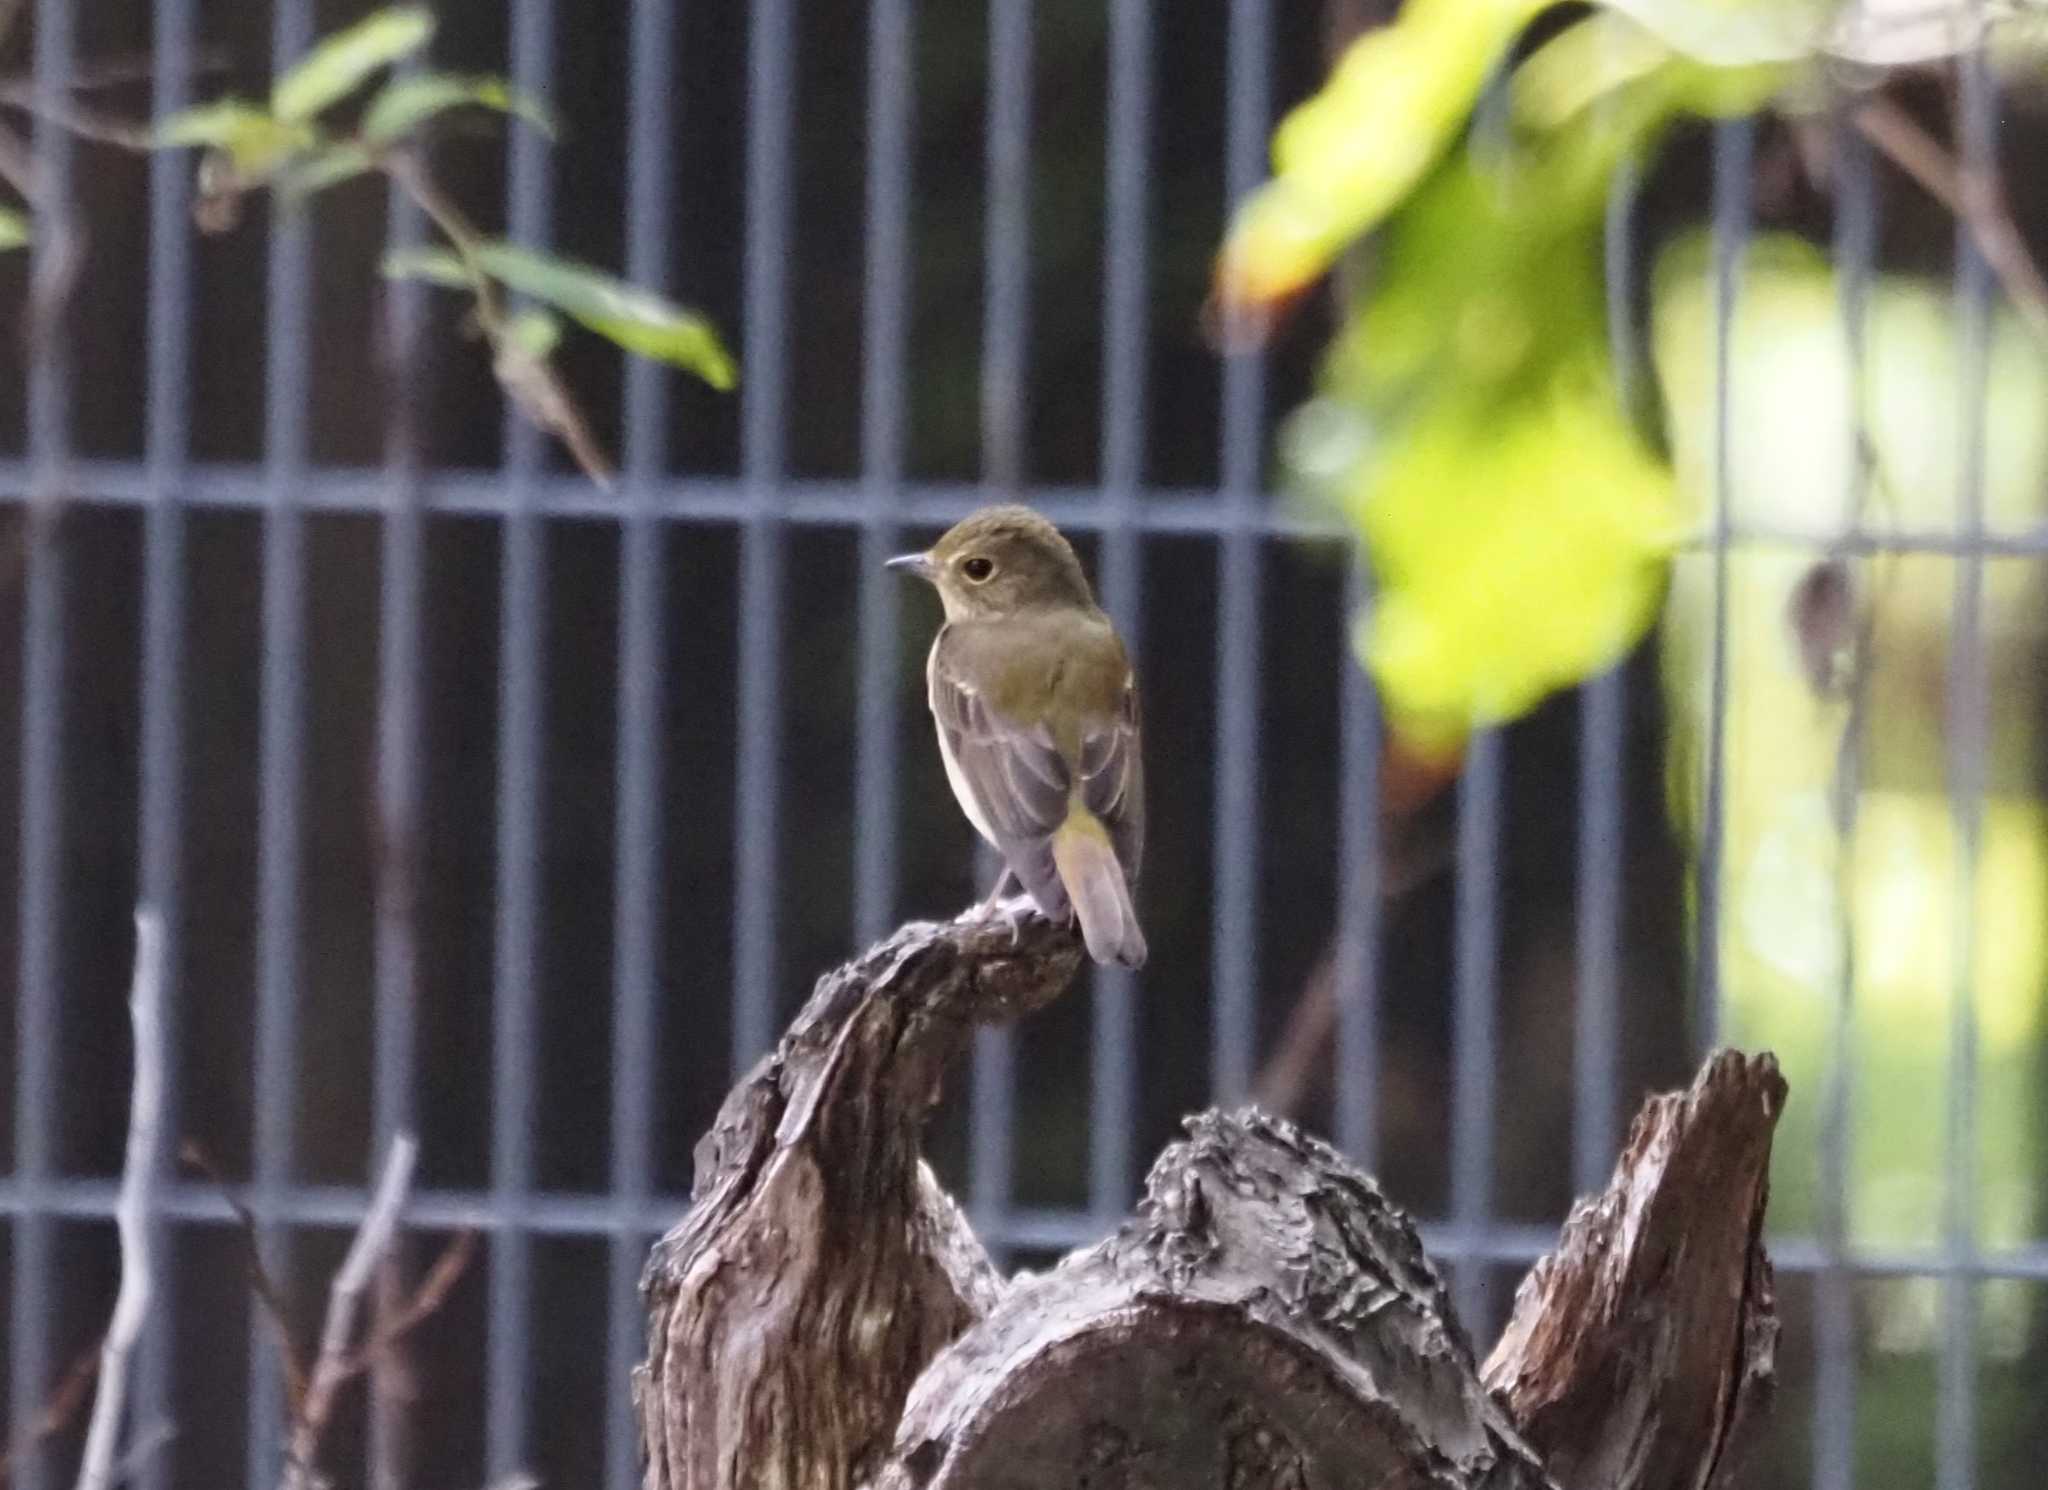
434 266
1519 548
405 104
343 62
1347 156
251 139
14 229
326 167
1581 63
633 318
536 333
1733 32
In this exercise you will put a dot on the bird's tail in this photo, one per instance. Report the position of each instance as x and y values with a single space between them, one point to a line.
1088 867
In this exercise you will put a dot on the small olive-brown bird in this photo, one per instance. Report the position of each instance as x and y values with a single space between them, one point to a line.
1037 713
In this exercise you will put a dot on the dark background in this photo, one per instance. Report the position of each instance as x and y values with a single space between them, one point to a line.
460 416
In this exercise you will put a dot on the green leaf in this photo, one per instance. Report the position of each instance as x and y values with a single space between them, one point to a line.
14 229
1734 32
536 333
434 266
1581 63
407 103
633 318
1519 547
324 168
1348 156
343 62
248 136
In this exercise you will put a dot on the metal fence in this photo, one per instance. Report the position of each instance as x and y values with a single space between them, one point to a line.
766 504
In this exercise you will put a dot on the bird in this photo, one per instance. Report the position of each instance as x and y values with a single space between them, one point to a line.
1036 707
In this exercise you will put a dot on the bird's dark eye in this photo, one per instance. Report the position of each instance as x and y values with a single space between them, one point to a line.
978 568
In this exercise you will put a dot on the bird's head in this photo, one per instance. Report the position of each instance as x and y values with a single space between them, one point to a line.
1000 561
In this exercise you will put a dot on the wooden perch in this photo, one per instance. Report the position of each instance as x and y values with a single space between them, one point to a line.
821 1266
824 1319
1639 1355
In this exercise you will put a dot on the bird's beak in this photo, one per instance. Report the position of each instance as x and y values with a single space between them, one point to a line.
918 564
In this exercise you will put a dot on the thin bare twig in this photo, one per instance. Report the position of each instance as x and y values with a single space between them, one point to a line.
1975 197
110 72
424 1301
270 1298
344 1297
531 381
131 1210
144 1446
58 1411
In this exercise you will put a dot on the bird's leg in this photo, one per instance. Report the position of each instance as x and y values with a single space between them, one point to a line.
994 907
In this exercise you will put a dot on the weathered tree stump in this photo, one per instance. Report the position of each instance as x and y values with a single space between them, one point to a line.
824 1318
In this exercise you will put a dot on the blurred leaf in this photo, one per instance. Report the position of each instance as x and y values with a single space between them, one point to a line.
535 333
1736 32
1518 548
251 139
14 229
633 318
1345 158
343 62
314 173
405 104
1581 63
1516 525
435 266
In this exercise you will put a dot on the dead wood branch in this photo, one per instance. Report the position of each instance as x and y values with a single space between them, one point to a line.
132 1207
820 1266
823 1319
1267 1319
1641 1349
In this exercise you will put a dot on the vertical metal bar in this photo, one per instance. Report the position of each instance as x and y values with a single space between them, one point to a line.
402 567
1734 145
395 976
1360 887
522 624
163 641
38 1025
1112 1170
1597 1043
991 1117
1005 412
642 691
892 83
1234 935
1602 766
1476 972
1834 1389
771 109
1968 729
280 755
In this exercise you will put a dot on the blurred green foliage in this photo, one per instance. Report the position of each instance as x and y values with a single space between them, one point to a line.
1468 423
295 145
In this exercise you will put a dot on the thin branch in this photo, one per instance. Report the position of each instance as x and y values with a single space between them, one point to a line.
426 1299
291 1362
109 72
58 1411
531 381
1973 196
131 1212
345 1296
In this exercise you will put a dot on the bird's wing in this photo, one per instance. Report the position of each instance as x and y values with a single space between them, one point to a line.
1019 781
1112 770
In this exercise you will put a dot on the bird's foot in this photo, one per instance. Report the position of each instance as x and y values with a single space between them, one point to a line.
1012 913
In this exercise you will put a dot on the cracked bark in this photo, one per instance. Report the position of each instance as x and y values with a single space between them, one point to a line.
823 1318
